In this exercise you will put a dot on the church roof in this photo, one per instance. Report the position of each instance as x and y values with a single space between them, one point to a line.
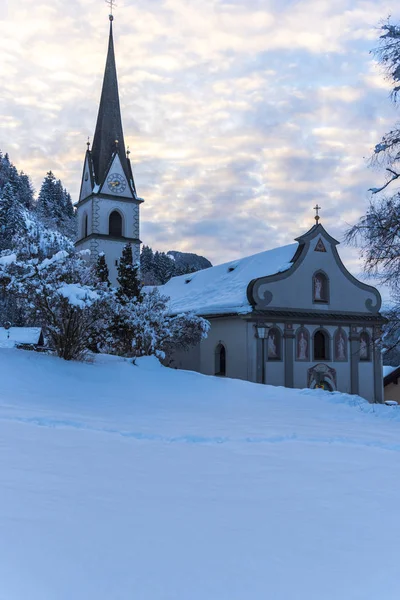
223 289
109 122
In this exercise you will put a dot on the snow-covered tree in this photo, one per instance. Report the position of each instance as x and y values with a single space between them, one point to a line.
128 277
146 328
101 269
54 206
60 295
378 231
12 222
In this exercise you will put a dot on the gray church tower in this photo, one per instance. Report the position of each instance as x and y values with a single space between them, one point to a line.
108 207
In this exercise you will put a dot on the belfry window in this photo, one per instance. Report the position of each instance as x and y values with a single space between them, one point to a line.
85 226
115 224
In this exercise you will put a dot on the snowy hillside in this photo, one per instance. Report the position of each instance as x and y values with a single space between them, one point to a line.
123 482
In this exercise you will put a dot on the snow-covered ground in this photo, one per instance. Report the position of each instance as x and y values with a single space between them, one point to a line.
122 482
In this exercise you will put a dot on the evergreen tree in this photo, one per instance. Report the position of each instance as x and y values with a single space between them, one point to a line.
146 260
128 277
11 219
102 272
164 267
54 206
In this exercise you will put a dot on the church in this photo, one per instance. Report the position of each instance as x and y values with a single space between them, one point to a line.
292 316
108 206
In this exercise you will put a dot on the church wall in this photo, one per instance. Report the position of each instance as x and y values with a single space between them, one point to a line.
188 360
345 294
232 333
366 380
129 212
392 392
343 370
113 251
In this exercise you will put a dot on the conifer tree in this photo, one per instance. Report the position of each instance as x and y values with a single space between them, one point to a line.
128 277
11 219
102 272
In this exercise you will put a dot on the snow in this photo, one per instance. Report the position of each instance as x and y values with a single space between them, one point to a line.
7 260
19 335
78 295
123 481
223 289
387 370
58 257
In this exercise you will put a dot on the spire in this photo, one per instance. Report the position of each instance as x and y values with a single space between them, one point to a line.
109 124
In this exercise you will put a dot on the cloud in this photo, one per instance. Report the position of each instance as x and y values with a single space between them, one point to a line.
240 115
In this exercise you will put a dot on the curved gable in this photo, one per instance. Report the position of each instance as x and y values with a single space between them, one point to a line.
294 289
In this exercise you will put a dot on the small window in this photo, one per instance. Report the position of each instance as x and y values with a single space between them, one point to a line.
220 360
85 226
115 224
365 346
274 344
320 287
321 345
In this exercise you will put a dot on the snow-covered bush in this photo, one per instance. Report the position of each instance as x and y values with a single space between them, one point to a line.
61 295
147 329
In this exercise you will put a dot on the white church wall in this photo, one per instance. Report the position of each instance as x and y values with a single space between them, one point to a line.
343 369
129 212
232 333
251 353
345 294
275 372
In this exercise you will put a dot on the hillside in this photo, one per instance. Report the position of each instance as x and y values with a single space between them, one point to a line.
121 482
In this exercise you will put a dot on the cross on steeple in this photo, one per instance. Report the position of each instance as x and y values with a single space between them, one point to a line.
317 217
111 4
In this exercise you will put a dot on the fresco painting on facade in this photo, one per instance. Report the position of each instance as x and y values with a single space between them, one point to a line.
340 345
303 344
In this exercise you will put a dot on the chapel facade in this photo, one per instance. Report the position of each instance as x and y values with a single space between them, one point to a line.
108 206
292 316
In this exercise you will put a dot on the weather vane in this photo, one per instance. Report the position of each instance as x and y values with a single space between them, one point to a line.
317 217
112 4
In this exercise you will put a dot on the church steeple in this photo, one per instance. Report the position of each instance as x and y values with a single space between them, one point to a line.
109 137
108 206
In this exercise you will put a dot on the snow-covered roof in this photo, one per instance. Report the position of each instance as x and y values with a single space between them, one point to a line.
19 335
387 370
223 289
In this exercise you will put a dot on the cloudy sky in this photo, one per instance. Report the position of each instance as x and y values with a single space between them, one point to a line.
240 115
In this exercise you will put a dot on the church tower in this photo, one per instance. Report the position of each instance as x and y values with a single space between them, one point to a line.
108 207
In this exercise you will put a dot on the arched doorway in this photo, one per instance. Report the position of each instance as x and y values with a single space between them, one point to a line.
220 360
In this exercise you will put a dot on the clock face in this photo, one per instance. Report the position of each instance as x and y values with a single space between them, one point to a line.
116 183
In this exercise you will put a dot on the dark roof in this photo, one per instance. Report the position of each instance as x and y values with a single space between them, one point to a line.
392 377
109 122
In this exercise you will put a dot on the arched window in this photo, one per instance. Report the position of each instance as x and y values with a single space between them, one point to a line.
85 226
274 344
220 360
365 346
115 224
320 287
321 345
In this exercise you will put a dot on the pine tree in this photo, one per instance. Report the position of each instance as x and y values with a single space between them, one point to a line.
11 218
128 277
164 267
102 272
